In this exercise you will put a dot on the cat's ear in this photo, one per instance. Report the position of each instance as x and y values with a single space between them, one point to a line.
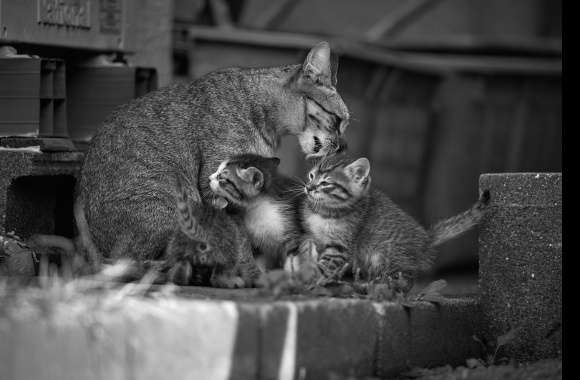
252 175
359 170
317 63
333 69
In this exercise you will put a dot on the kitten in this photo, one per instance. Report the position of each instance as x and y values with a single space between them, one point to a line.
266 202
209 247
349 223
187 129
206 247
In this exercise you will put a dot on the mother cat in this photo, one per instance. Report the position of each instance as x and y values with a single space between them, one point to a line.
127 188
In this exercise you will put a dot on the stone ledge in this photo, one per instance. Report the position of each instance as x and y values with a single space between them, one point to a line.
141 338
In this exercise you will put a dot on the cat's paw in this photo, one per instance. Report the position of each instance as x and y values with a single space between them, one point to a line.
227 281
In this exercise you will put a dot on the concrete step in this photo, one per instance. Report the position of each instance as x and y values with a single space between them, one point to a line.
60 335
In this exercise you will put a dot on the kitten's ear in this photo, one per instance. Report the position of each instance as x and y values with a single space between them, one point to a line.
317 63
252 175
359 170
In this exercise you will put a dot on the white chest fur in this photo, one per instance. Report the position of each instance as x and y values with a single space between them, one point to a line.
326 230
266 221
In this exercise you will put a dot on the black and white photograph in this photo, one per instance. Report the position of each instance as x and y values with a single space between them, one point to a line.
281 189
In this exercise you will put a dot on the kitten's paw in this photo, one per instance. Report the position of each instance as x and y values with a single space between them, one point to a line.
228 282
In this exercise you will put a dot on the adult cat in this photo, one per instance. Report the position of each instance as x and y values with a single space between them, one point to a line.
126 190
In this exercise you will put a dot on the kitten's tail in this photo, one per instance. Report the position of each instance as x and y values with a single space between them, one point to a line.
450 228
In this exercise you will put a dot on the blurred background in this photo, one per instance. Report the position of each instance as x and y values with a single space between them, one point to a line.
439 90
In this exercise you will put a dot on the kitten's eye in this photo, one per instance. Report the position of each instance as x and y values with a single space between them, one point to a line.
324 183
311 175
202 247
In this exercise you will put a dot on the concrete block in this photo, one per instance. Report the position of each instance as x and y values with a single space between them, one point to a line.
36 192
520 262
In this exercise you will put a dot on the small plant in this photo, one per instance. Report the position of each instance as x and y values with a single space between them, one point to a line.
492 350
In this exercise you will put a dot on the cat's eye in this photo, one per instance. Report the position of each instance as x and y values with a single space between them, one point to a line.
324 183
311 175
202 247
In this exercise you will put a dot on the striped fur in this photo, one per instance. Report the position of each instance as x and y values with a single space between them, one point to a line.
208 246
456 225
187 129
356 226
265 201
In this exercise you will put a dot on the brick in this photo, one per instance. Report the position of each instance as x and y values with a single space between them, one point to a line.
520 261
186 340
443 333
394 345
62 345
317 338
427 335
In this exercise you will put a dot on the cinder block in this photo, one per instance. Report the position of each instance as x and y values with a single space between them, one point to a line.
36 192
520 262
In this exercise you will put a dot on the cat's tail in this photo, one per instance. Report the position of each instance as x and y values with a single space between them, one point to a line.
92 252
450 228
55 241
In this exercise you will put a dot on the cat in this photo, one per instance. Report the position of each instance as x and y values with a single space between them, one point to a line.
187 129
350 224
208 247
266 203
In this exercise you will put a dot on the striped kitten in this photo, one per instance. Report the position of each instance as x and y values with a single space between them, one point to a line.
266 201
349 223
209 246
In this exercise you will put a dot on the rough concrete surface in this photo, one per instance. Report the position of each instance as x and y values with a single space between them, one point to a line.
59 336
520 262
